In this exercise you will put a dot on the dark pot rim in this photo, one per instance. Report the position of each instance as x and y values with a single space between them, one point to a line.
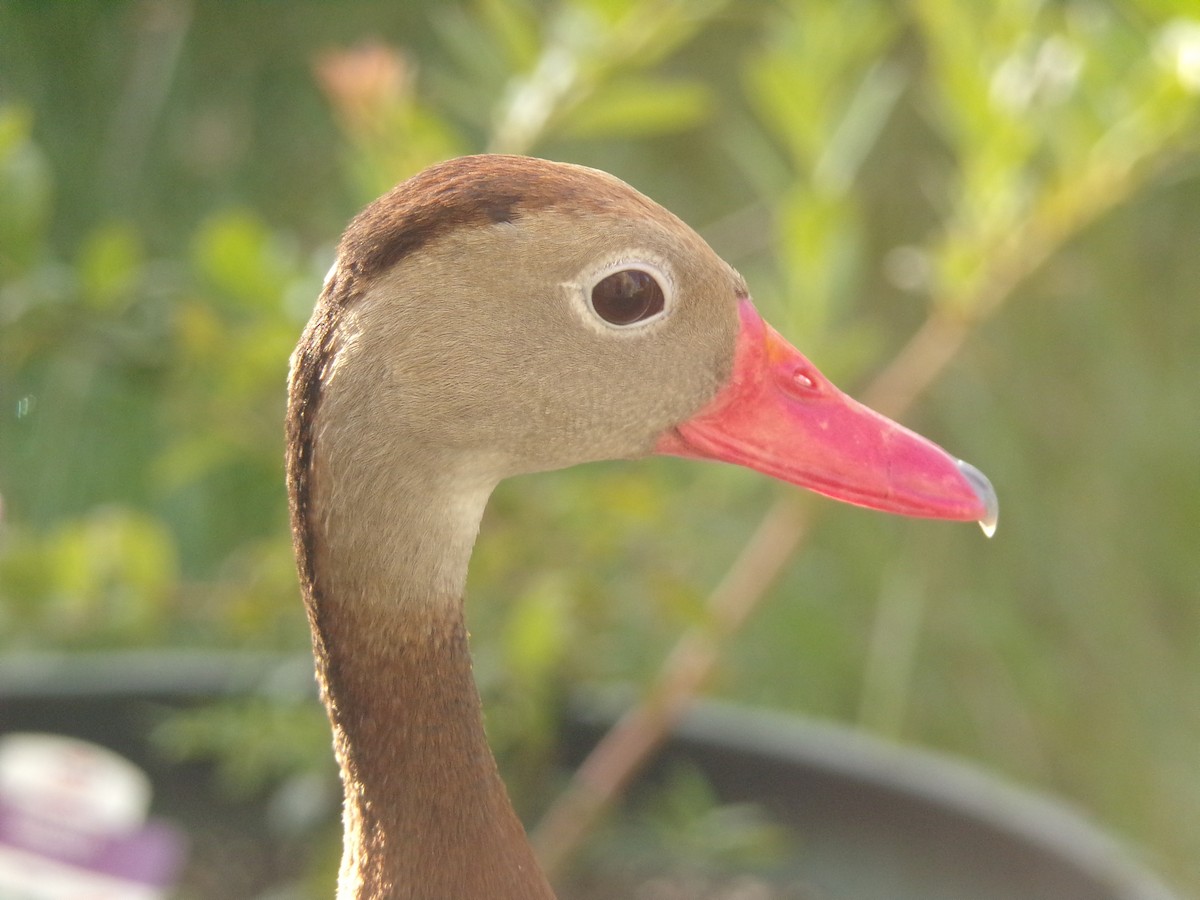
741 750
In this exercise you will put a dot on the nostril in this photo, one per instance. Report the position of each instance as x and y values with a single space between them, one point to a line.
804 379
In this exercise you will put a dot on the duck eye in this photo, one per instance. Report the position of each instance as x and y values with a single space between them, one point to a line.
627 296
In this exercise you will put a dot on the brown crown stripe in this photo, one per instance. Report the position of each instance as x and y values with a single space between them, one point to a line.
474 190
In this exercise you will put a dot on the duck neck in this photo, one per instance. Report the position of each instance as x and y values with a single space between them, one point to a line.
426 814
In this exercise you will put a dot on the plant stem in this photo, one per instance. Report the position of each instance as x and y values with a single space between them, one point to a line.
627 746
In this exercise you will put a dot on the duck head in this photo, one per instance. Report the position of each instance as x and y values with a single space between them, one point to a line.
506 315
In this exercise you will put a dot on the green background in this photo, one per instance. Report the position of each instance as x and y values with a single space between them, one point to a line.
1023 175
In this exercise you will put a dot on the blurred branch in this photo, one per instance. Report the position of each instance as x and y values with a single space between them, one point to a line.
580 57
628 745
159 32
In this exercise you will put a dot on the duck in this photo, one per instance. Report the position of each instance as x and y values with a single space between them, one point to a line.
491 316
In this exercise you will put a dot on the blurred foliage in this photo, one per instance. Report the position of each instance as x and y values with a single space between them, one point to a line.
173 175
680 841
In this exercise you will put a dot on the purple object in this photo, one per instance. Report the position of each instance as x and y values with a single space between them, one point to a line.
151 855
72 824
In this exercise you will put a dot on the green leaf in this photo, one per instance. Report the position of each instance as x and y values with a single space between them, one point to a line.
860 126
102 579
256 741
109 266
513 25
241 257
26 187
639 108
538 631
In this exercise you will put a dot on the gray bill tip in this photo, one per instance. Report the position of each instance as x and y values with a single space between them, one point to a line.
986 494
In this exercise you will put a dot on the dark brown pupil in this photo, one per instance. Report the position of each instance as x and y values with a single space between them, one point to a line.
628 296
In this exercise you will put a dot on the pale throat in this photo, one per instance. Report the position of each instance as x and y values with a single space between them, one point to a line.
401 538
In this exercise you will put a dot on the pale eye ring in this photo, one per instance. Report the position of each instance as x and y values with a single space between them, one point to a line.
627 296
